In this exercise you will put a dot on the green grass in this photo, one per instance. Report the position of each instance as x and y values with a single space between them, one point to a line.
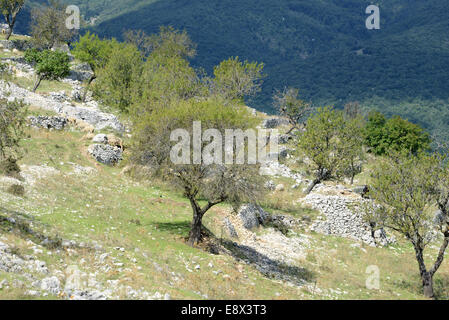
45 87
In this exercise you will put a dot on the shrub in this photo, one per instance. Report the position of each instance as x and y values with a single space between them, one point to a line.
10 168
395 134
17 190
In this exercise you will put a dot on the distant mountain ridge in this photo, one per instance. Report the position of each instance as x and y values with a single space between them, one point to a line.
321 47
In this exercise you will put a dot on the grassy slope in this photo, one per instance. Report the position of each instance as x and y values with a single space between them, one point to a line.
151 222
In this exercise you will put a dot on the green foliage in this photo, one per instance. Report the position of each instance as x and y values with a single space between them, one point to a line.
353 151
396 134
12 123
332 144
92 50
116 81
49 65
235 79
167 74
171 42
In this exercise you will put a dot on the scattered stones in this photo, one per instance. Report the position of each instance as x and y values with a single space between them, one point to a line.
106 154
270 185
276 169
51 285
59 96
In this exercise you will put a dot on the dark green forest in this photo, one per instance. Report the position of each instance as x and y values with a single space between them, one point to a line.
321 47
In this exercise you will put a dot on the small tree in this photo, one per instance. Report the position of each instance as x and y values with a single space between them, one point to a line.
352 110
95 52
290 106
48 26
49 65
407 189
205 184
116 81
12 124
236 80
352 139
10 9
325 143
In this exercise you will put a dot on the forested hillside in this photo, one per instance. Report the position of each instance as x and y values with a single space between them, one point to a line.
321 47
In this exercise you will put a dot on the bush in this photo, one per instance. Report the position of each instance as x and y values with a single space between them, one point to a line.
10 168
16 190
395 134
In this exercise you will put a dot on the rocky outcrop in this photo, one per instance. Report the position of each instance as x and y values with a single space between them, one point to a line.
50 123
250 215
87 112
106 154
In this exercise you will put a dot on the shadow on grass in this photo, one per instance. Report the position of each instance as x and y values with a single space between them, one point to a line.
270 268
176 228
12 221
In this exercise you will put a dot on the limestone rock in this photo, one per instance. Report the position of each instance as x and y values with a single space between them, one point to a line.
106 154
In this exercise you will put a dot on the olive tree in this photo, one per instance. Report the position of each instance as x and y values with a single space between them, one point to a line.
324 144
205 179
235 80
290 106
48 25
352 139
10 9
49 65
407 189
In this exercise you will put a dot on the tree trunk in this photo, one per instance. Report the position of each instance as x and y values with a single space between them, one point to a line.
8 35
426 276
195 231
427 283
87 87
312 185
37 83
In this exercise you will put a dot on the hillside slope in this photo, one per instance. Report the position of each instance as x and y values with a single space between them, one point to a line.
83 230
